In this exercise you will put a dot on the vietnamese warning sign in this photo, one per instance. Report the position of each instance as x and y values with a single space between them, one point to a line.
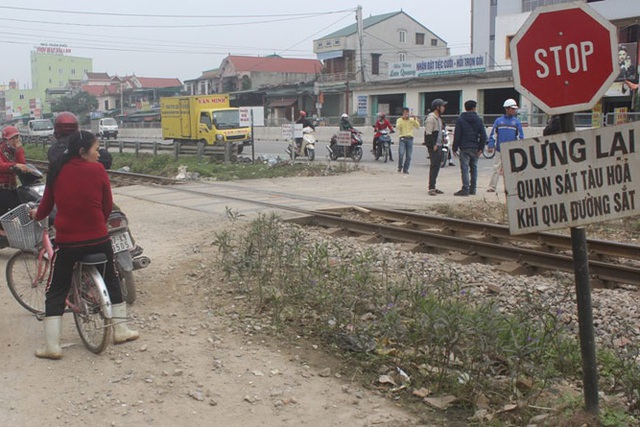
572 179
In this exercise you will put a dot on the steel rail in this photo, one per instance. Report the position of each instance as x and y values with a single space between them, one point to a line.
455 226
528 258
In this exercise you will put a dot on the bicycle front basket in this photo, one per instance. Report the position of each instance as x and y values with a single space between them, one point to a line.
22 232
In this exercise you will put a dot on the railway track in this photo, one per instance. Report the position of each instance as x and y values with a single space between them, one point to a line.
119 178
610 262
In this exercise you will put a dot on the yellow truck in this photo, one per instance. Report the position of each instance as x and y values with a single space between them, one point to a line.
203 118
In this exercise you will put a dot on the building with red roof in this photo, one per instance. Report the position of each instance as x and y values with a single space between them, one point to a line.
238 73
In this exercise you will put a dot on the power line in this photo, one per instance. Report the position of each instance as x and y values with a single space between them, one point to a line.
228 24
146 15
136 42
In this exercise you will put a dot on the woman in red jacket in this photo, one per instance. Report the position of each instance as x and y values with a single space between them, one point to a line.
381 124
79 186
11 159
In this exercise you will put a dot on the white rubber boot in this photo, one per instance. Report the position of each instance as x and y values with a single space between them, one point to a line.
52 332
121 332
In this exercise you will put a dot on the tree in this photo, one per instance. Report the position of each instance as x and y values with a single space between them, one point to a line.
79 104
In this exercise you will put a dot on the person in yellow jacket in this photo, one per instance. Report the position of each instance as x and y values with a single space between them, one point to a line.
405 126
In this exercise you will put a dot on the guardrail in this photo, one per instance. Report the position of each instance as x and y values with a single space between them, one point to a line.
228 152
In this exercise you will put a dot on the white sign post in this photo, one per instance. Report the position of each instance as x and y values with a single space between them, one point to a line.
287 131
564 60
572 179
251 116
344 138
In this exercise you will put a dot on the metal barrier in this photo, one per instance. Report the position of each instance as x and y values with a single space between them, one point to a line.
228 152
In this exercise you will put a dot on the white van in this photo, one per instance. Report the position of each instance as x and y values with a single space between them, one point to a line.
105 127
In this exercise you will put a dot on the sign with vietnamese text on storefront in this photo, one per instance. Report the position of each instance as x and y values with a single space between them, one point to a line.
434 66
572 179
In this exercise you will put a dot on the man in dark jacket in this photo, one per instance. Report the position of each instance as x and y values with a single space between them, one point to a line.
469 138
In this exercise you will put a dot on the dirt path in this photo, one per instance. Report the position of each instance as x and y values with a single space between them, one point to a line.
192 365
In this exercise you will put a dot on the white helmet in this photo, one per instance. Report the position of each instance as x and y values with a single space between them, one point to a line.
344 116
510 103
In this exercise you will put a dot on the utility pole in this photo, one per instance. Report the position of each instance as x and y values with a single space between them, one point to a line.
121 99
346 98
360 40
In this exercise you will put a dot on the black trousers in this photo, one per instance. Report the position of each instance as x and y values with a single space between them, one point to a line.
435 156
64 259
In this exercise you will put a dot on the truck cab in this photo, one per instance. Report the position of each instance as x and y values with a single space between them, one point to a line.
39 129
221 126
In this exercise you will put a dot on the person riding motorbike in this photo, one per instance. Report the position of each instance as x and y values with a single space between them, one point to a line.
305 122
12 158
381 123
345 124
66 123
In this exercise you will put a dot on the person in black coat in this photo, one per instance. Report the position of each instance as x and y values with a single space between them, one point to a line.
469 139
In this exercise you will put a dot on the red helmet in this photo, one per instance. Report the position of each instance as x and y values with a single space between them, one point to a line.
66 123
9 132
303 113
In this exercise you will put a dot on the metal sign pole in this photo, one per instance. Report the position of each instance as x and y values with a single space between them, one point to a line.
253 141
583 299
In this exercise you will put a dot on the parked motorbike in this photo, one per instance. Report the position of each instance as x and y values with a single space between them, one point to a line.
354 150
31 188
447 141
307 145
128 255
383 147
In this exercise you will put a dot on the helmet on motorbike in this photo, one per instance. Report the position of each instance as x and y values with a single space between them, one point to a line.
66 123
344 116
438 103
381 115
303 113
510 103
9 132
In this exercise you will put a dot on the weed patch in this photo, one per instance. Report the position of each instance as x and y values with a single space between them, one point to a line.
411 320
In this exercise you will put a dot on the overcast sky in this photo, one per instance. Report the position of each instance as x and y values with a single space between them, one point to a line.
181 39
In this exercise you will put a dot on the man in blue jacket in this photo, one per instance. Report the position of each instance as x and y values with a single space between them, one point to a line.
505 128
470 138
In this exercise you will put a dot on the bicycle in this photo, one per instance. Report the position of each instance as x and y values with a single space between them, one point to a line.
28 272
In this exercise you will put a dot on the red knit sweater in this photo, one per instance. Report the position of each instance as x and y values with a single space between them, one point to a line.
9 156
82 193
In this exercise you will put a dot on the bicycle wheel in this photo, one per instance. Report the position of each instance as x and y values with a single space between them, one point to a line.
487 154
94 328
24 283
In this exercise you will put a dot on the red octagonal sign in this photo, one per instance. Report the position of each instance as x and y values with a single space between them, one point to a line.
564 57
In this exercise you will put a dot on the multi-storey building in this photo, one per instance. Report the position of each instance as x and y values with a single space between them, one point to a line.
51 68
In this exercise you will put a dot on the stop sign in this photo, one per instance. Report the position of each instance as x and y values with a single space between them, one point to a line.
564 57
